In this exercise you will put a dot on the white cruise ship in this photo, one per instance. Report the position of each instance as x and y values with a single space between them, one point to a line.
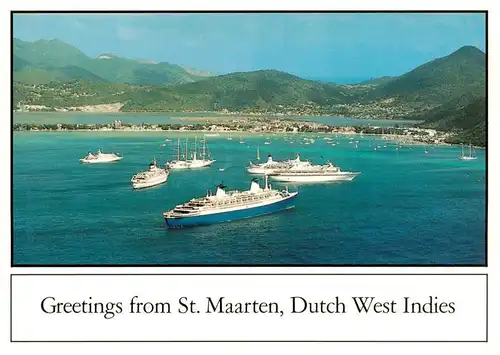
151 177
100 157
270 165
229 206
314 173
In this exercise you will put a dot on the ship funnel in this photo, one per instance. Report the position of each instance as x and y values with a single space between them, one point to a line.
254 186
266 182
269 158
220 191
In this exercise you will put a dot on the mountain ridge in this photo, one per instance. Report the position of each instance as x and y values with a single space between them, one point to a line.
49 55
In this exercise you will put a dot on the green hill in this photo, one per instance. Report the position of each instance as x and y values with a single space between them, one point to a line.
465 115
263 90
48 60
446 93
440 80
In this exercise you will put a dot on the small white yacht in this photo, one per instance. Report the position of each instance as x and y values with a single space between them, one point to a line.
467 157
153 176
100 157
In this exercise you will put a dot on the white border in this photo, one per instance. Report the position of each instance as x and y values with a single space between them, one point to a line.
244 348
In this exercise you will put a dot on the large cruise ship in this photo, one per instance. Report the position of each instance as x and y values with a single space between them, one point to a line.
195 162
229 206
100 157
152 177
270 165
314 173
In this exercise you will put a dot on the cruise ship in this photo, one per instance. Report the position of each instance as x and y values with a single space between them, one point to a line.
100 157
231 205
314 173
193 163
270 165
151 177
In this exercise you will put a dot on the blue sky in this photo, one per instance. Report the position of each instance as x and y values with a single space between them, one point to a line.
309 45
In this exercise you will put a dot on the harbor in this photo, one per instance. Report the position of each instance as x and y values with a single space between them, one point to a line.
369 220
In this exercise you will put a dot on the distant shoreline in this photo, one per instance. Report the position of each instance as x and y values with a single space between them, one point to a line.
181 115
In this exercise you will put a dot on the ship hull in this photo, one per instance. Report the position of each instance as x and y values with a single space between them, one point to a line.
228 216
142 184
191 165
100 161
467 158
314 178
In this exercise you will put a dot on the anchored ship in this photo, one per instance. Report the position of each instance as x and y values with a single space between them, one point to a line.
193 163
100 157
467 157
270 165
153 176
314 173
231 205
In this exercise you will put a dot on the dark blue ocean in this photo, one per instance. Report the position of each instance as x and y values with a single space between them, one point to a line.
406 207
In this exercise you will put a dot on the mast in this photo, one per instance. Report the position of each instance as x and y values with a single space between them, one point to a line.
186 156
463 149
178 149
204 148
258 153
470 149
195 147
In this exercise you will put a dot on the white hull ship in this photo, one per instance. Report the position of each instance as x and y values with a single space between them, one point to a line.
271 166
229 206
152 177
315 173
193 163
100 157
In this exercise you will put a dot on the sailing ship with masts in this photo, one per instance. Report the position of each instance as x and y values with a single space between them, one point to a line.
194 162
467 157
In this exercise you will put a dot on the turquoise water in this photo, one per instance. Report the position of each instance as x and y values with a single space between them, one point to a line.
406 207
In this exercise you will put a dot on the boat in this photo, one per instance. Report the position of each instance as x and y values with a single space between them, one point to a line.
151 177
168 140
270 165
226 206
325 173
205 160
241 140
467 157
178 164
211 134
194 163
100 157
267 142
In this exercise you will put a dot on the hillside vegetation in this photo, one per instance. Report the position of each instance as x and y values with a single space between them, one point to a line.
43 61
447 93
